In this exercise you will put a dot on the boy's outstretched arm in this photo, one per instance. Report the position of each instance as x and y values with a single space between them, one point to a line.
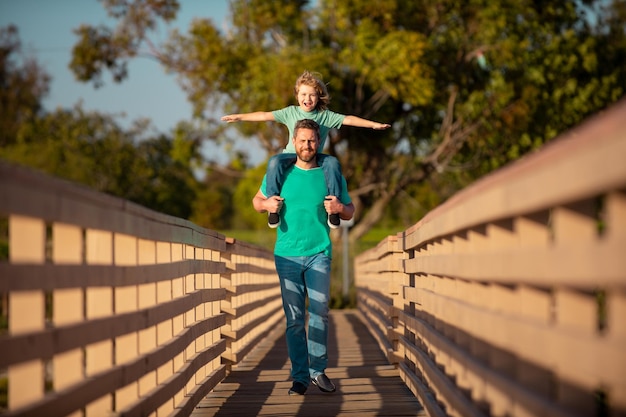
359 122
259 116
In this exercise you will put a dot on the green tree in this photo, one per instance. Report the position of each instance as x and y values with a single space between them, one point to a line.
84 147
247 188
468 86
91 149
23 86
169 183
213 207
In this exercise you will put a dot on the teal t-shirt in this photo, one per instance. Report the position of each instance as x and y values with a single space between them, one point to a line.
303 229
327 120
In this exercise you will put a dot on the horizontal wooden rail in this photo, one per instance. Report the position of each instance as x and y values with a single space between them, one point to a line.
113 309
510 298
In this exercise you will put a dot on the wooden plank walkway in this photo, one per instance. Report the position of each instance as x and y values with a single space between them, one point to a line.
367 385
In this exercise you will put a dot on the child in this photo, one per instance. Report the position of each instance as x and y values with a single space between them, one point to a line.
313 100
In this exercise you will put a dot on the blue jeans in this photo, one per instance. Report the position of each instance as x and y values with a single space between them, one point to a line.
301 276
279 163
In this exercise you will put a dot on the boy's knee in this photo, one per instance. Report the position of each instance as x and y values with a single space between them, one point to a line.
272 163
329 162
333 162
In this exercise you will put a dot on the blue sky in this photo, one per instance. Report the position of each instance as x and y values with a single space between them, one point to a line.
46 32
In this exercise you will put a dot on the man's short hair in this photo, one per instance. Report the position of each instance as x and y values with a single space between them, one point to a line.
307 124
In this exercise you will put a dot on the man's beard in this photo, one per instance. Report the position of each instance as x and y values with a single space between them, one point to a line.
306 158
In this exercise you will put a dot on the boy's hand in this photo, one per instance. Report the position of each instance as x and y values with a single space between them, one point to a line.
230 118
381 126
332 204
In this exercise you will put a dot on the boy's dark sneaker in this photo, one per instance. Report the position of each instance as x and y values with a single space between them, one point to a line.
323 383
273 220
334 221
298 388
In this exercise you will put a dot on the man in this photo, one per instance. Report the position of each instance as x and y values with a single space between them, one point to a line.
302 254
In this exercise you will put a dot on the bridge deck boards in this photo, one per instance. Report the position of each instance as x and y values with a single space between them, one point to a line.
366 384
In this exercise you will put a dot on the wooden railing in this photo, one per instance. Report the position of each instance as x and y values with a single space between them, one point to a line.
510 298
113 309
507 300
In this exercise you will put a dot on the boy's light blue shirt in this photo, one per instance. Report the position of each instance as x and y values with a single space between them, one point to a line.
303 229
327 120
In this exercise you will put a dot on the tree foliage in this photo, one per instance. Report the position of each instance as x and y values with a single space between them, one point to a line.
23 86
468 86
91 149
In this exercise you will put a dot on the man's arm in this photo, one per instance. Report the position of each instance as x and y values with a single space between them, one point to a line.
259 116
347 212
359 122
264 204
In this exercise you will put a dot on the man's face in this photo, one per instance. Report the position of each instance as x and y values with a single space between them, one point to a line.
306 144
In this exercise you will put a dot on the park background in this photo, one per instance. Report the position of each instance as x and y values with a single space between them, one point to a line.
467 86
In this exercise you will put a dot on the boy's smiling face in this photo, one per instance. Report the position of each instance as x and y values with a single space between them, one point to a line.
307 98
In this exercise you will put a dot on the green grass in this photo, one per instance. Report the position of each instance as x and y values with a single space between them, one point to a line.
263 238
373 238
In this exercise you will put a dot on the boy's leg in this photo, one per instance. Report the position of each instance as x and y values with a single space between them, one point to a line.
276 167
332 173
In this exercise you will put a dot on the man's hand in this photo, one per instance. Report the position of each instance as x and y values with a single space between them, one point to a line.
264 204
273 204
332 205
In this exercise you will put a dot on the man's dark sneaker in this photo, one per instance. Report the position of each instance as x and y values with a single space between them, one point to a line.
273 220
298 388
323 383
334 221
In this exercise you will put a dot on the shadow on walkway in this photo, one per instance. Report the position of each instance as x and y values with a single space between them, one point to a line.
366 384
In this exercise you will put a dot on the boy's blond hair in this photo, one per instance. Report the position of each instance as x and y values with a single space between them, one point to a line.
314 79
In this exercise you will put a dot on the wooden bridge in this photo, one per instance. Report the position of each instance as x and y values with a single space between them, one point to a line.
367 385
507 300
